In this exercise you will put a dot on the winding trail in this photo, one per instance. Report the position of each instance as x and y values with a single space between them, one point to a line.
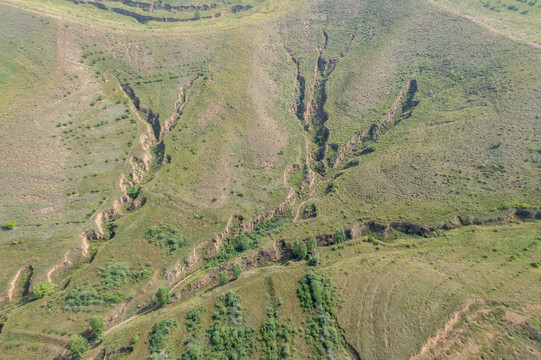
120 324
483 24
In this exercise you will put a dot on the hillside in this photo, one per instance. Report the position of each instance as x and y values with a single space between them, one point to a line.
305 179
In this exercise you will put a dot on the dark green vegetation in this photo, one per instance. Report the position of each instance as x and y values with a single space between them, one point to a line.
363 174
317 297
157 341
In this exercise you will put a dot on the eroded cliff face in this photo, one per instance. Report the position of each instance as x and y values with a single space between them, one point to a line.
150 7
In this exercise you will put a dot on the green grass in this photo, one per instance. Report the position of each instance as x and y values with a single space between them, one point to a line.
468 149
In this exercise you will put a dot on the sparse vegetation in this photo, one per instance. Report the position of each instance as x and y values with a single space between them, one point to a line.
188 145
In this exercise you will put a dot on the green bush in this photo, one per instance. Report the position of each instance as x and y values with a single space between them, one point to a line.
114 275
299 250
247 241
163 295
77 346
166 237
311 243
194 352
274 338
230 336
313 259
157 336
80 297
339 236
135 339
317 297
98 327
10 225
224 278
42 289
193 317
237 270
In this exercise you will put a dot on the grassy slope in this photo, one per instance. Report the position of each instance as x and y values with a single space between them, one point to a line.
237 135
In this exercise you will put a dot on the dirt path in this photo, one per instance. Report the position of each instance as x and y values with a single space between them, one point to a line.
14 282
144 312
483 24
148 310
444 332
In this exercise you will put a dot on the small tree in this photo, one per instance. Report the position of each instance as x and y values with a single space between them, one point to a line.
237 270
197 15
163 295
98 327
42 289
224 278
311 243
77 346
339 236
299 249
313 259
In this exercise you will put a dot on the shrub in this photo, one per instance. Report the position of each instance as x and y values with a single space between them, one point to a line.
133 191
237 270
42 289
10 225
192 353
299 250
311 243
163 295
273 335
197 15
166 237
193 317
313 259
80 296
77 346
317 297
230 336
247 241
224 278
114 275
98 327
157 336
339 236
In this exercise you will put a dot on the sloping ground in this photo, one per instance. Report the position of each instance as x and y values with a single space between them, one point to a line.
518 20
179 149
